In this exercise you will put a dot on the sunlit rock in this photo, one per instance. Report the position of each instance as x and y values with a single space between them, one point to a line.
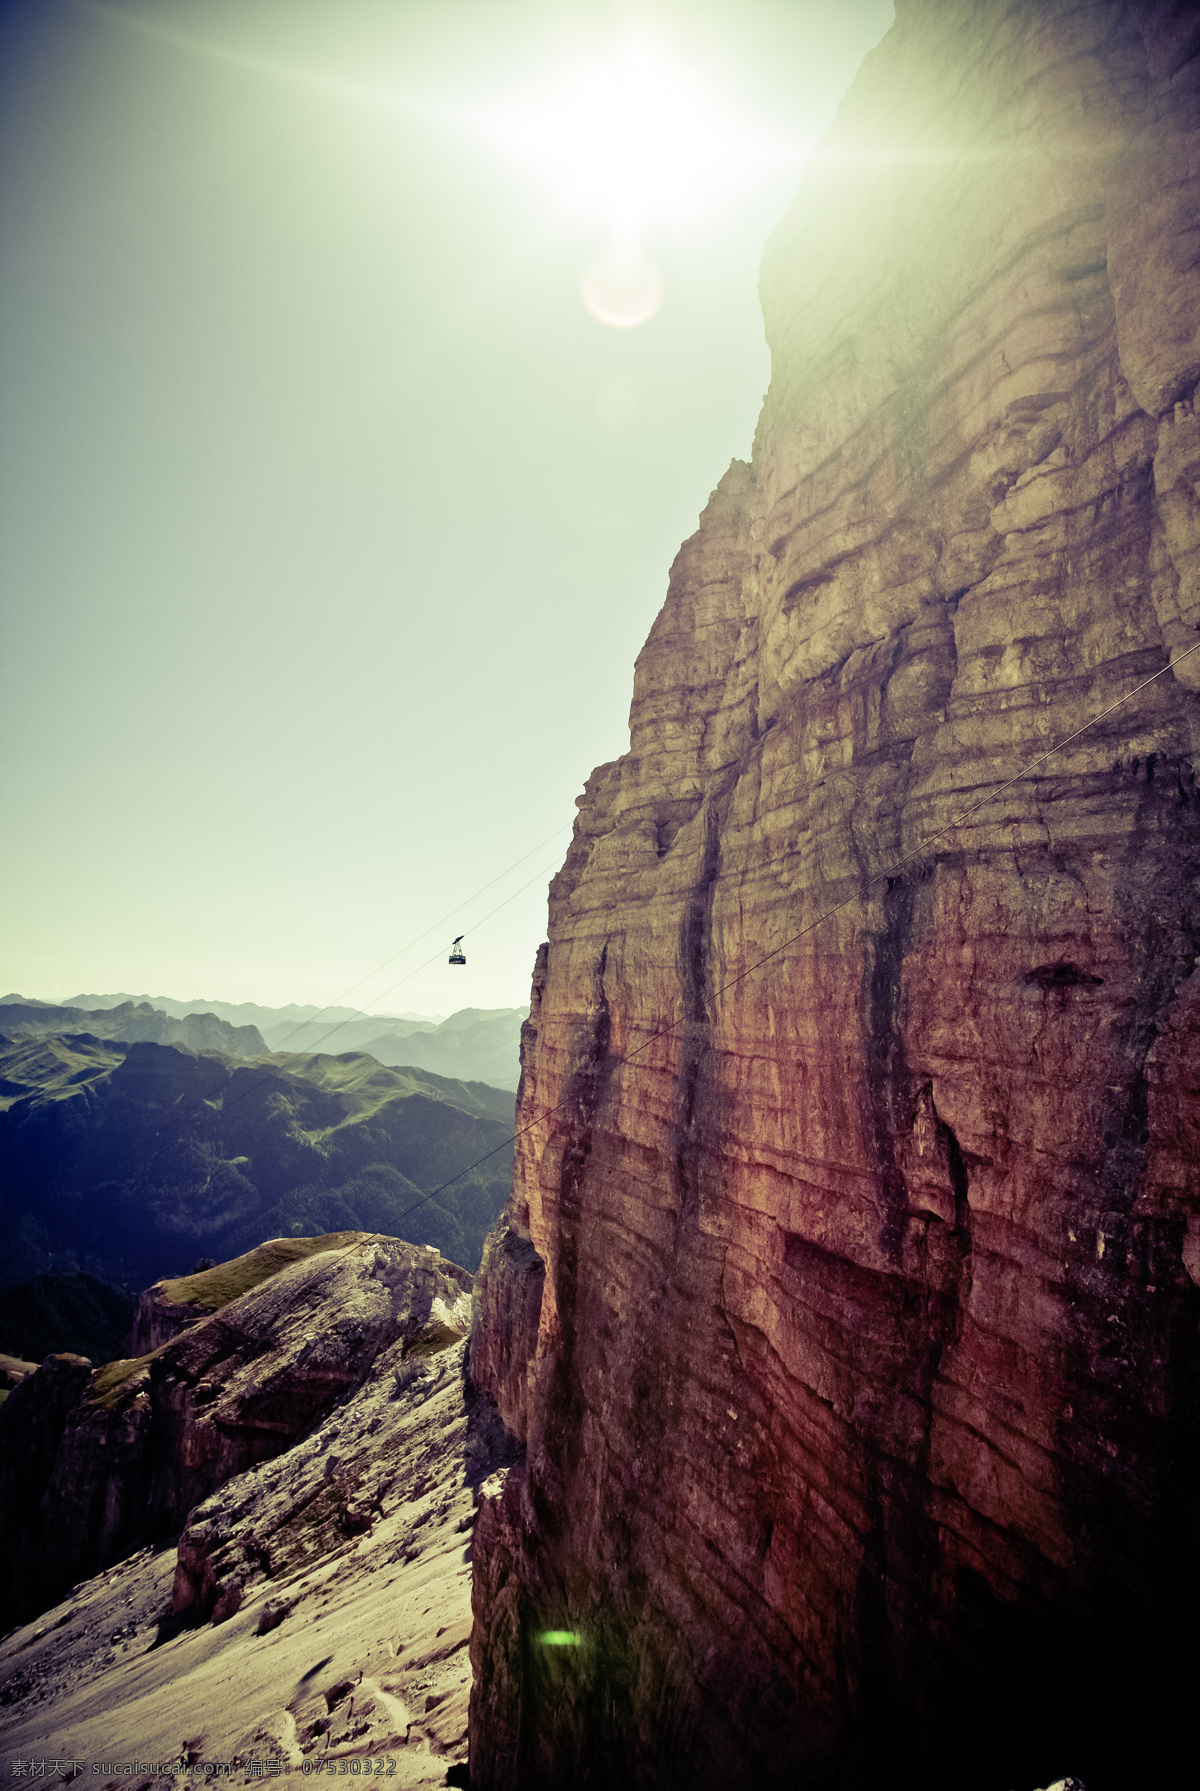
92 1462
845 1307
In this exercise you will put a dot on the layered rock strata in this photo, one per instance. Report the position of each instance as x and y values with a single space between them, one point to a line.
846 1303
93 1461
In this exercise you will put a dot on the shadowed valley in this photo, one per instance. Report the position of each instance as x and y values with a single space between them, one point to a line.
129 1161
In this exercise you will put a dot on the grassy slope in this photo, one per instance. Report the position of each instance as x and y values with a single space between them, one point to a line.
131 1161
53 1066
366 1082
210 1289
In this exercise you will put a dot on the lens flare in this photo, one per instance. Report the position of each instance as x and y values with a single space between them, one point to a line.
622 289
635 138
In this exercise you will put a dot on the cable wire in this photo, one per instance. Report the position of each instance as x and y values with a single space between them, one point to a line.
475 928
234 1100
359 1013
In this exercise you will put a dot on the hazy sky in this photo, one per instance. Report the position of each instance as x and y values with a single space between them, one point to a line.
332 521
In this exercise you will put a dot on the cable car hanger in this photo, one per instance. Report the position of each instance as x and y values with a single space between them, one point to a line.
457 955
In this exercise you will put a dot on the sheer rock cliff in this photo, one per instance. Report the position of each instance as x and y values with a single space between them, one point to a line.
845 1308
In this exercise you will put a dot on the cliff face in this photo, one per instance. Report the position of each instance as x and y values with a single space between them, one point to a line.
846 1303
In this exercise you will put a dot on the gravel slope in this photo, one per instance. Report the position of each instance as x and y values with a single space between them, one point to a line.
368 1661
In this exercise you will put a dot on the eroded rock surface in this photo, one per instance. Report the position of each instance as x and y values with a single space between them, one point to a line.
856 1224
330 1631
92 1461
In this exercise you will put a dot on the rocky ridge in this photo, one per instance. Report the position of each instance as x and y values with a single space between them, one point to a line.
845 1308
94 1461
346 1641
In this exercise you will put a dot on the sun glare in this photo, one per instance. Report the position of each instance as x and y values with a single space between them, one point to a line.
622 288
634 138
633 133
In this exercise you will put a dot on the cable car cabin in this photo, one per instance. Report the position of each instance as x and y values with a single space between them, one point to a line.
457 954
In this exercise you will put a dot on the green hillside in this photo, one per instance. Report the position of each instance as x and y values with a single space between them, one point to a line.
130 1161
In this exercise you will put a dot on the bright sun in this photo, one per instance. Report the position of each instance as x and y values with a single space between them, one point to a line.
634 132
636 137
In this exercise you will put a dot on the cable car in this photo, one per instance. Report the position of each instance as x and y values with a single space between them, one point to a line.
457 955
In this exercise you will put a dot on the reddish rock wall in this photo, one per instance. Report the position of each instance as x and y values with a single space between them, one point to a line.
861 1423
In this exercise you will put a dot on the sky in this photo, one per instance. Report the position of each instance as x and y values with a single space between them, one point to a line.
363 364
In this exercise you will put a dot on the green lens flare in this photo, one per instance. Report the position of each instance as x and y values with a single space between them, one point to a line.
560 1638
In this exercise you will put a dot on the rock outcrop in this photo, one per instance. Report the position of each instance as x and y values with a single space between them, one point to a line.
171 1307
846 1304
94 1461
13 1370
321 1605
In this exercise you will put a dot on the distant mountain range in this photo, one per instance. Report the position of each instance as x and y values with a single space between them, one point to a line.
127 1161
132 1022
248 1013
475 1044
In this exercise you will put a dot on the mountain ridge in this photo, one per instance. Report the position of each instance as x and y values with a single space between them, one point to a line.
472 1044
131 1022
244 1012
129 1160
